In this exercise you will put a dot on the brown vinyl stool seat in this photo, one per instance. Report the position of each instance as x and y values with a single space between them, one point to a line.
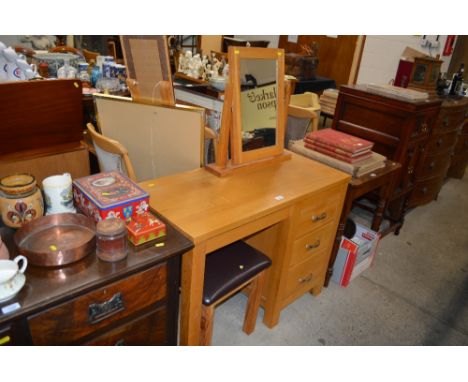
228 270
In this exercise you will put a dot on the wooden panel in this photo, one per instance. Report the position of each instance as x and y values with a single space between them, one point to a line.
148 330
312 244
71 158
335 54
70 321
316 211
160 140
38 114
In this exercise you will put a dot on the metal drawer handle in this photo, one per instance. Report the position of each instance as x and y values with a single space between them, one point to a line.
306 279
410 170
98 312
439 142
312 246
431 165
446 121
424 128
424 190
316 218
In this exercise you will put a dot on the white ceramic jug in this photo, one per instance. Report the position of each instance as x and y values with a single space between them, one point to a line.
58 194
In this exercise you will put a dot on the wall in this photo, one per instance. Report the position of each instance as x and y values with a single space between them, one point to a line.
382 54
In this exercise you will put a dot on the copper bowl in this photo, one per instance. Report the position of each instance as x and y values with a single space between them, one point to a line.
56 240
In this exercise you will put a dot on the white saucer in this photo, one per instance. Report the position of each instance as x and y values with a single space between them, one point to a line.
11 288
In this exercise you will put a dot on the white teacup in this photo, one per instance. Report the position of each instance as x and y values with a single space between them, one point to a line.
10 268
58 194
12 277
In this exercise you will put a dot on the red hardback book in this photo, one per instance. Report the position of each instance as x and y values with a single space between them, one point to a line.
341 140
335 149
338 156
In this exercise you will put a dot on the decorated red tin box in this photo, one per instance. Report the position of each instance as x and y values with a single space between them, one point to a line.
145 227
109 194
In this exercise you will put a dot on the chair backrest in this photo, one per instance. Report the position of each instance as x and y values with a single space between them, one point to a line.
90 55
111 154
299 120
65 49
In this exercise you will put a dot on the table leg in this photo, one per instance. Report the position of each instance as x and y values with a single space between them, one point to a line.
193 274
348 204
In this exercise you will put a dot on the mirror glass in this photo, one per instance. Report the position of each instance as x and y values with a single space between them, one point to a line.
258 99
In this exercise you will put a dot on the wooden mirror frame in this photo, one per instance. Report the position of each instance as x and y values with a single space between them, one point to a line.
231 122
236 54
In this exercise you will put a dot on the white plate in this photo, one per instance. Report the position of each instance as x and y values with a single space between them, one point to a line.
11 288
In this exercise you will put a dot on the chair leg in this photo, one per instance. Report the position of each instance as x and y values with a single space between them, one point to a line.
253 303
206 330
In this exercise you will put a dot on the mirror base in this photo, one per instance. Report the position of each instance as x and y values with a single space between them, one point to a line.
245 167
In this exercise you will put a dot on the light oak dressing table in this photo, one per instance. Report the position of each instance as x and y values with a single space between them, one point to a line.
288 210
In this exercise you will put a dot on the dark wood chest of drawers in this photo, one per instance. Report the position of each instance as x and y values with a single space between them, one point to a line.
399 130
132 302
460 154
419 135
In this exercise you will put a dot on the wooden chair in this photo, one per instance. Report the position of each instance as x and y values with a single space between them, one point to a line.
65 49
303 112
90 55
111 154
227 271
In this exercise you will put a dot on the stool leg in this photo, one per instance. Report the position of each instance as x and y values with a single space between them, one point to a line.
253 303
206 330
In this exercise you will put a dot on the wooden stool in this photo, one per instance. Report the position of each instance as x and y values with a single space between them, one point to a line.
227 271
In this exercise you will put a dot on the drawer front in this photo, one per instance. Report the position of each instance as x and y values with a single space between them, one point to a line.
80 317
449 119
425 192
434 165
441 142
312 244
462 144
147 330
316 211
423 125
304 276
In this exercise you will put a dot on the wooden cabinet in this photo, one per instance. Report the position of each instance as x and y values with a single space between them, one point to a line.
132 302
459 159
436 158
399 130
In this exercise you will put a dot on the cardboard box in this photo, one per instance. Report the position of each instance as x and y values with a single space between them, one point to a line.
145 227
109 194
355 255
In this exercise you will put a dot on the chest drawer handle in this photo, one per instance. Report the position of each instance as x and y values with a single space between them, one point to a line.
424 190
424 128
446 121
410 170
99 312
316 218
312 246
306 279
431 165
439 142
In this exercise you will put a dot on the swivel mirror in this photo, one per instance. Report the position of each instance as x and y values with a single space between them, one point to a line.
254 109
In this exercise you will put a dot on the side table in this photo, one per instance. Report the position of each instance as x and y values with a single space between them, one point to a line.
381 180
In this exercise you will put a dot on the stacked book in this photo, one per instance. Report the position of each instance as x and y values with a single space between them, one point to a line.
340 150
328 101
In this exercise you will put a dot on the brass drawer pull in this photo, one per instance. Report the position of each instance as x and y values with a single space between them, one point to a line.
316 218
439 142
410 170
431 165
424 190
306 279
98 312
312 246
424 128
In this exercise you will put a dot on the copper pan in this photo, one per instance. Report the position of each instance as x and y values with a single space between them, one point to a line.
56 240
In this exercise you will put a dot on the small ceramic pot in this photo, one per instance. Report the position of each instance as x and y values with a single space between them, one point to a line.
20 200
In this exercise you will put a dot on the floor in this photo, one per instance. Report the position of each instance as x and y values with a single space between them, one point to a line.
416 293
